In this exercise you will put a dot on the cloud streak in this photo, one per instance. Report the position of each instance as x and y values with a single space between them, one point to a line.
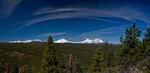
105 32
87 13
54 34
8 6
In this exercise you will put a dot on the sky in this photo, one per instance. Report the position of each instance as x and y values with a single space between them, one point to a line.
74 20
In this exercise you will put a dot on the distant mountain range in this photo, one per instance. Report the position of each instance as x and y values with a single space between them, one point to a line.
63 40
97 40
26 41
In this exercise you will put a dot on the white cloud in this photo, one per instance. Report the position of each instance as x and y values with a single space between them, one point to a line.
114 30
51 10
8 6
54 34
124 13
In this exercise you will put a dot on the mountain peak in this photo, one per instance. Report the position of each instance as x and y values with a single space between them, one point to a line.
26 41
97 40
63 40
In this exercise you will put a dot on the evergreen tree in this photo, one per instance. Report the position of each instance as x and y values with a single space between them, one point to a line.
146 42
147 35
146 46
109 57
131 43
25 69
97 61
131 51
132 36
49 61
79 68
11 68
121 39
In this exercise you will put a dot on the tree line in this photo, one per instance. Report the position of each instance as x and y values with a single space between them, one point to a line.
132 57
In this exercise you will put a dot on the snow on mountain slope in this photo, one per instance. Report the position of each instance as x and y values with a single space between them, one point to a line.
87 41
26 41
62 41
97 40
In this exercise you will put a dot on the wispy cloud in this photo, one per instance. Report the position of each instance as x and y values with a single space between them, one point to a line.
63 13
102 19
100 33
51 10
57 34
8 6
114 30
54 34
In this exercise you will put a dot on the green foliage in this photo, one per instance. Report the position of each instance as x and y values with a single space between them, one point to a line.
146 42
11 68
147 66
109 55
147 34
132 36
131 44
49 61
50 43
79 68
25 69
146 46
31 54
97 61
112 58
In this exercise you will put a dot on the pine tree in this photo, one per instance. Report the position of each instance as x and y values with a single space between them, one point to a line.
146 46
79 68
131 44
11 68
25 69
49 61
109 57
121 39
132 36
131 50
146 42
147 35
97 61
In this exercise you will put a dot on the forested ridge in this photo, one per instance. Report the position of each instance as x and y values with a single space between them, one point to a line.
131 56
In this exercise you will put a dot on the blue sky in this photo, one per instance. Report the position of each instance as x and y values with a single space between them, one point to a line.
74 20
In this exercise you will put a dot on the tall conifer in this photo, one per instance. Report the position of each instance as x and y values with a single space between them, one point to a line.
97 61
49 61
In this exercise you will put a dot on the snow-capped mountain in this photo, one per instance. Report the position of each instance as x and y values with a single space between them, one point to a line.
63 40
26 41
97 40
87 41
